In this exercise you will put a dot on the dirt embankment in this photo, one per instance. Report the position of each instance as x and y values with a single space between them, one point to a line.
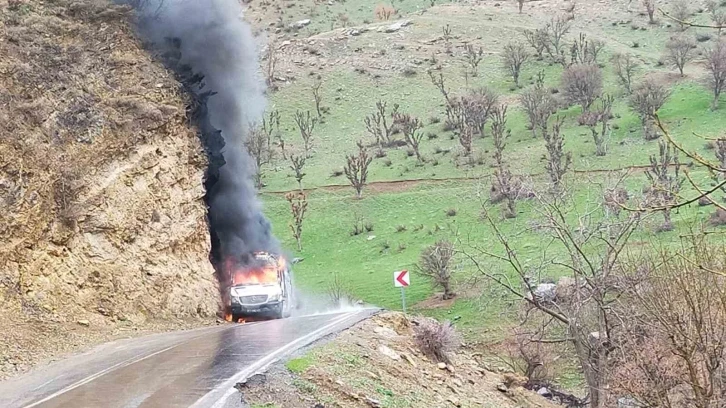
376 364
102 224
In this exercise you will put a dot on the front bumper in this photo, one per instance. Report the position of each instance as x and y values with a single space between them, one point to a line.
238 308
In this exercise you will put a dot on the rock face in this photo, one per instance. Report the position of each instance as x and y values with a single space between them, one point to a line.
100 173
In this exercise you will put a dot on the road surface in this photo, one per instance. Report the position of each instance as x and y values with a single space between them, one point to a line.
196 368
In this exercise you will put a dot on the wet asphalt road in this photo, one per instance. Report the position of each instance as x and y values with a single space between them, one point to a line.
196 368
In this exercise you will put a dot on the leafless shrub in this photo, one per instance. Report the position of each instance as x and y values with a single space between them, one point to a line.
582 84
384 12
679 51
664 184
514 56
436 340
271 126
539 104
530 356
356 169
473 58
446 31
674 339
520 5
435 263
506 185
271 64
718 17
650 6
556 30
584 51
716 63
476 108
306 124
558 161
625 66
338 290
377 125
298 206
614 199
681 11
718 218
258 147
318 96
297 163
437 78
538 40
411 128
598 122
647 98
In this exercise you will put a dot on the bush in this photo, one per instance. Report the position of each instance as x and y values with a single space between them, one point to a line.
718 218
401 228
436 340
451 212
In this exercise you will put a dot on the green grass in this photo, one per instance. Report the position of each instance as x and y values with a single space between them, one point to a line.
300 364
366 262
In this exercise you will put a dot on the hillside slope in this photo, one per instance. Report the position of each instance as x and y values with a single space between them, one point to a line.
103 222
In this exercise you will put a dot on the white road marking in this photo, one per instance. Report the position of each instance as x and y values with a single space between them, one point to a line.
97 375
261 364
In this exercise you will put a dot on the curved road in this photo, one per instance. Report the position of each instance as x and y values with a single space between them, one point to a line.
196 368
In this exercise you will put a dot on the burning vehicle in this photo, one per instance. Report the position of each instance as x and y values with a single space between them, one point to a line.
264 287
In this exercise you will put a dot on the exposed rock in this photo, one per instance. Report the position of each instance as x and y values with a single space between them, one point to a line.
502 388
385 332
442 366
397 26
388 352
84 322
300 24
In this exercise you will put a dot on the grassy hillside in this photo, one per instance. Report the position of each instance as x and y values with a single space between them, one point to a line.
410 205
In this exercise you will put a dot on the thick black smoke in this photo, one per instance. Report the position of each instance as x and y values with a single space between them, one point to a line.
213 53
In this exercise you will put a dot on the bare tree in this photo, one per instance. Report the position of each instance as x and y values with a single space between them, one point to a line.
716 63
476 107
297 163
558 161
584 51
271 126
520 5
440 83
664 184
446 30
647 98
318 96
473 58
718 17
556 30
258 146
506 185
539 104
356 169
271 65
298 206
582 310
538 40
674 341
582 84
436 264
377 125
411 129
650 6
306 123
338 289
679 51
598 121
625 66
514 56
681 11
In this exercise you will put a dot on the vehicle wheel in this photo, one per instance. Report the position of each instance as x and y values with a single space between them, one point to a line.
286 312
280 311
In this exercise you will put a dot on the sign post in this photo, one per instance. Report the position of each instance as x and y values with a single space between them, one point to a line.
401 280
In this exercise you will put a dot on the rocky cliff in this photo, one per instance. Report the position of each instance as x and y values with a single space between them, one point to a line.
101 175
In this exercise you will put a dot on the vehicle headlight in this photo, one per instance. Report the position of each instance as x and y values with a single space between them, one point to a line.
274 298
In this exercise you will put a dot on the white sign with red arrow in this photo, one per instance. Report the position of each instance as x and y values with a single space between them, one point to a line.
401 279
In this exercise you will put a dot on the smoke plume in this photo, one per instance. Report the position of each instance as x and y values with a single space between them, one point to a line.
213 53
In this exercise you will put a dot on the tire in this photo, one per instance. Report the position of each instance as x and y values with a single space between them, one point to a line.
279 312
